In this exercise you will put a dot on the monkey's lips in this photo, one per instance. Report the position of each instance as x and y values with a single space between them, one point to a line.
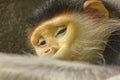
52 53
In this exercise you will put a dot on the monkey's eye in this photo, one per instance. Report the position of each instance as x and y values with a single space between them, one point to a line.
41 42
61 31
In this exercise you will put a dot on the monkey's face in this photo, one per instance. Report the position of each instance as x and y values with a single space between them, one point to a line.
54 37
72 37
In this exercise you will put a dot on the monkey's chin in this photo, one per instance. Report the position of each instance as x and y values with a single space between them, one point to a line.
65 53
62 53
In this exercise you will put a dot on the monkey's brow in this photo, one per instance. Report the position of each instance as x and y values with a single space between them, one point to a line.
43 26
54 22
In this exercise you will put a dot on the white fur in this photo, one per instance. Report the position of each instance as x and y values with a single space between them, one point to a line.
92 37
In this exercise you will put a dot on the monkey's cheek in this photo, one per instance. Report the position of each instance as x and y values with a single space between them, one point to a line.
63 53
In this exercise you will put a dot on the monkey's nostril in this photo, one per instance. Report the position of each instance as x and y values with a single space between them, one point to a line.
47 51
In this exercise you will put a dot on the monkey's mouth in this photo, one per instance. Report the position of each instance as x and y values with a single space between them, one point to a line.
47 55
51 53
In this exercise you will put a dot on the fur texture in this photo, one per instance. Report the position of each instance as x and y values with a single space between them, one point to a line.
15 67
93 36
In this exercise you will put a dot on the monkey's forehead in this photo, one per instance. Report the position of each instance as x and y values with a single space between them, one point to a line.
58 20
51 8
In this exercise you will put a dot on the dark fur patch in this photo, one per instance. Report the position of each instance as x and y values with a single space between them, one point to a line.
53 7
50 8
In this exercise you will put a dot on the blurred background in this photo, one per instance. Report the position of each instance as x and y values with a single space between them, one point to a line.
13 21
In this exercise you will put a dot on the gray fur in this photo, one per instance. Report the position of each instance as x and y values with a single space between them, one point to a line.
15 67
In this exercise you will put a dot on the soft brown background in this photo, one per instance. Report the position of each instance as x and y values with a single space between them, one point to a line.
13 15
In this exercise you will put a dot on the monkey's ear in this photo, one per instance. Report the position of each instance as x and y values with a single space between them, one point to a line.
97 8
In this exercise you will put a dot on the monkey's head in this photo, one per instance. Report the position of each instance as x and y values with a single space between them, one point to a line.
71 30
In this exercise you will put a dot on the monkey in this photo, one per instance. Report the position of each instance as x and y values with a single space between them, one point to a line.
73 30
31 67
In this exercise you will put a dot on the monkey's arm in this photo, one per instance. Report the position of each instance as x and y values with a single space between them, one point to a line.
14 67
